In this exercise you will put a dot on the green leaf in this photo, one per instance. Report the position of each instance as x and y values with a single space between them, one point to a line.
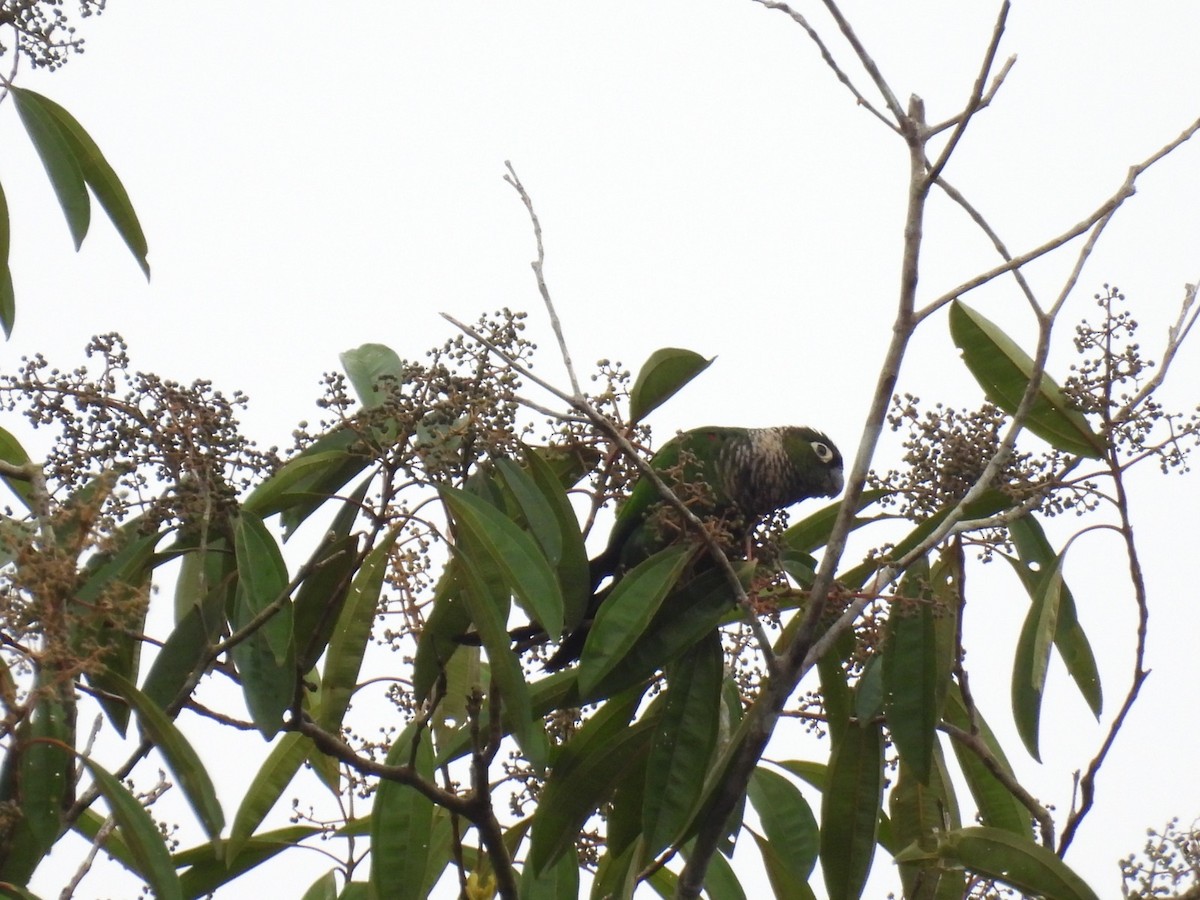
8 308
1033 657
573 571
181 759
265 657
489 612
683 743
558 881
274 775
661 376
1004 370
100 177
375 371
42 784
321 597
58 158
1069 638
780 872
292 482
850 810
402 824
263 581
584 773
339 677
812 532
513 553
686 615
624 616
790 826
141 835
921 812
324 888
910 670
122 576
348 451
1019 862
996 804
12 452
211 864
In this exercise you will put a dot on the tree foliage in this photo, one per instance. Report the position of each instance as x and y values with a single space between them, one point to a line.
384 593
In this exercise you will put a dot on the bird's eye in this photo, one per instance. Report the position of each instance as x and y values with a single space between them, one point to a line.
824 454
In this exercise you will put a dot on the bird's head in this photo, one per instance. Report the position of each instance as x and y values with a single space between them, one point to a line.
816 459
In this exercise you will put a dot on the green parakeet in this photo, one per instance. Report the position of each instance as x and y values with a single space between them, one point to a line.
732 475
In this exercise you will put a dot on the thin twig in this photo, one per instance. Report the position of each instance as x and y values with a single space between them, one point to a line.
975 102
838 72
538 271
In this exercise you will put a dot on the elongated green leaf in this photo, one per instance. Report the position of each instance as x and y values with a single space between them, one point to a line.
324 888
910 670
686 615
351 635
263 580
8 309
780 872
535 509
12 452
1072 644
790 826
514 554
181 759
572 567
402 824
374 370
293 482
141 835
100 177
211 864
812 532
626 613
321 597
584 773
661 376
37 781
720 881
1016 861
1033 658
58 158
850 810
997 805
489 612
318 483
122 576
920 813
1003 370
273 776
558 881
683 743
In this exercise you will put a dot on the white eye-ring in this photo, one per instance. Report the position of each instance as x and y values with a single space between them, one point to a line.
824 454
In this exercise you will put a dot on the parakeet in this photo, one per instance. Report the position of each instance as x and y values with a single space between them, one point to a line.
734 476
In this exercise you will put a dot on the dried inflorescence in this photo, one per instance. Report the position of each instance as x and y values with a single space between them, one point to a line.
43 32
1109 381
1169 864
946 451
173 452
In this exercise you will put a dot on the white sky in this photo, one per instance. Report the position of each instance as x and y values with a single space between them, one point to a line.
311 177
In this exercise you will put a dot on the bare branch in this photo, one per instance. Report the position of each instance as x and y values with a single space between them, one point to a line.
800 20
975 103
538 272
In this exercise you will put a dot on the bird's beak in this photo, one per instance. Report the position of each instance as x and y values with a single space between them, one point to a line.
836 480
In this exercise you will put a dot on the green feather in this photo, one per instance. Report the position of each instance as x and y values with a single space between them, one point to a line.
737 474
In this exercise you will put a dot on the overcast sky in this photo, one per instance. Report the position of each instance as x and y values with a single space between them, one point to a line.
311 177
